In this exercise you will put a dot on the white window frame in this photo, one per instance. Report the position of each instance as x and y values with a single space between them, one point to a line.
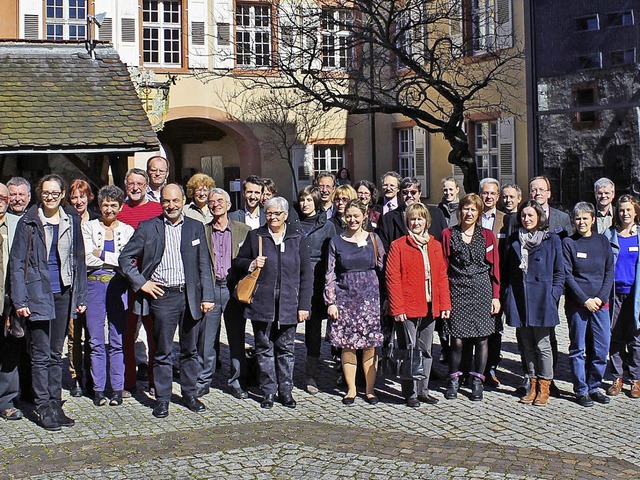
258 37
168 31
482 26
486 150
406 153
61 24
337 53
328 158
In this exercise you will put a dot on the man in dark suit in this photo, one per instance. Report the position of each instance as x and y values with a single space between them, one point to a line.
392 225
252 214
168 265
559 221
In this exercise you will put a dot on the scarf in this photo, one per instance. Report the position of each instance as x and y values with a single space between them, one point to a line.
423 241
529 240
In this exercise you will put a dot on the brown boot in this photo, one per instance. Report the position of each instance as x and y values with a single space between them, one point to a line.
543 392
533 391
615 388
635 389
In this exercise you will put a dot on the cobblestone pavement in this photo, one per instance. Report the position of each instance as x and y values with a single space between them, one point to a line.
495 439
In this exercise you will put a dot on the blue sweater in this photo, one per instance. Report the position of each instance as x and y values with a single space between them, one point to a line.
589 271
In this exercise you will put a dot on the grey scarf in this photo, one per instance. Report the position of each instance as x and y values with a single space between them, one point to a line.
529 240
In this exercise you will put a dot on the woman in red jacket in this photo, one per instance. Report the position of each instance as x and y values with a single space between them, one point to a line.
418 288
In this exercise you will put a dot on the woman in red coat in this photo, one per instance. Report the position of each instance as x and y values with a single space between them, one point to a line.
418 288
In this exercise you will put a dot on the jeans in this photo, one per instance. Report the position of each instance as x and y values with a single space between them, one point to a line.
537 352
47 339
107 299
589 334
420 332
207 333
275 355
624 336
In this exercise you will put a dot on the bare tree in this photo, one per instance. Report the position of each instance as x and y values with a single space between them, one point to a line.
432 61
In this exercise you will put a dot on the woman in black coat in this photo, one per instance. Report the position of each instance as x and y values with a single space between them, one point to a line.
282 298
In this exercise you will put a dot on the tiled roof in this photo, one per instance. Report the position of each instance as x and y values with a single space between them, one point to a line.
55 96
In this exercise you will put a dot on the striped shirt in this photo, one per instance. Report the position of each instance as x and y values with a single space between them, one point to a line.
170 270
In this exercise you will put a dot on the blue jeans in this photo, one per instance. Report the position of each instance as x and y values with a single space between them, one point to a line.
207 332
589 334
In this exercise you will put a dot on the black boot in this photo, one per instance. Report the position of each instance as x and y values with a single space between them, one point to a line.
47 419
452 387
476 387
59 415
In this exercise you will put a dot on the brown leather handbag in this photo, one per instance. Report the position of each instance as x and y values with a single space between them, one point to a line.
246 287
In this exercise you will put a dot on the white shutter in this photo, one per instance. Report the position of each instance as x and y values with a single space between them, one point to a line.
506 149
288 37
312 38
302 164
105 33
419 31
504 24
421 159
30 24
128 33
199 38
223 47
456 33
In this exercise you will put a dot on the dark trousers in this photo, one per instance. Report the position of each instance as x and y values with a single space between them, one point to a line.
625 338
420 332
47 339
129 345
171 311
235 324
10 348
79 351
275 356
208 333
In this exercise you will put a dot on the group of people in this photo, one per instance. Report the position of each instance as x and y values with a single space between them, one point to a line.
375 267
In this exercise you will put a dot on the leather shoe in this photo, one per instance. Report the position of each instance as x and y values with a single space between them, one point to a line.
348 400
11 414
287 400
99 399
491 380
202 391
430 399
584 400
161 410
193 404
371 399
76 391
599 397
268 400
413 402
239 393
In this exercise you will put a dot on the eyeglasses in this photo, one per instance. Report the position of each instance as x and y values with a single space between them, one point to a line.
364 194
410 192
54 195
342 199
390 186
273 214
219 201
201 190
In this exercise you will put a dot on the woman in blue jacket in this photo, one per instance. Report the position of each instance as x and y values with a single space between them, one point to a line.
625 315
533 280
48 287
588 263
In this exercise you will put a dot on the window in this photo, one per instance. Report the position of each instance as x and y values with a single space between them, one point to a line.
623 57
253 36
328 158
621 19
588 24
593 60
66 19
161 32
406 153
482 25
486 149
336 29
584 97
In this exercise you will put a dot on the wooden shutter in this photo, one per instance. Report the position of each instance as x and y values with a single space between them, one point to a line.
302 158
504 24
456 28
506 149
421 159
198 34
129 35
31 24
223 46
312 38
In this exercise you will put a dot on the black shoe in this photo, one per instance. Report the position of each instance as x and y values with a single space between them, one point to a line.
60 416
268 400
46 419
99 399
193 404
11 414
452 389
477 389
161 410
554 391
348 400
202 391
524 387
584 400
116 399
286 399
143 372
76 391
413 402
239 393
371 399
430 399
600 397
491 380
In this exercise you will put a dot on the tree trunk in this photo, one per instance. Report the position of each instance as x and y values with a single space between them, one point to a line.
460 156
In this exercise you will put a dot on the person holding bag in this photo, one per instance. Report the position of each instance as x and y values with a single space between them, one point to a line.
418 287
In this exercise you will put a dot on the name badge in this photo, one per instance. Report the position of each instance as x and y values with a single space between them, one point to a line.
502 235
282 247
633 249
361 244
195 242
581 255
489 248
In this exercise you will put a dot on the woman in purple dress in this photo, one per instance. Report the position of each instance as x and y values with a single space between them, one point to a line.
352 294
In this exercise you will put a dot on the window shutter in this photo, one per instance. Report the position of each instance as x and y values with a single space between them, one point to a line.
504 24
31 26
459 176
419 31
289 37
456 28
198 44
223 46
506 149
302 164
421 159
312 38
129 37
105 32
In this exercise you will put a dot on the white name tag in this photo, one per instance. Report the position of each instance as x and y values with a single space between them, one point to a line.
502 235
195 242
489 248
361 244
633 249
282 247
581 255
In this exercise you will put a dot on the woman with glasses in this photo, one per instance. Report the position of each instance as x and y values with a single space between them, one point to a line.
281 300
368 194
48 286
198 188
342 195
